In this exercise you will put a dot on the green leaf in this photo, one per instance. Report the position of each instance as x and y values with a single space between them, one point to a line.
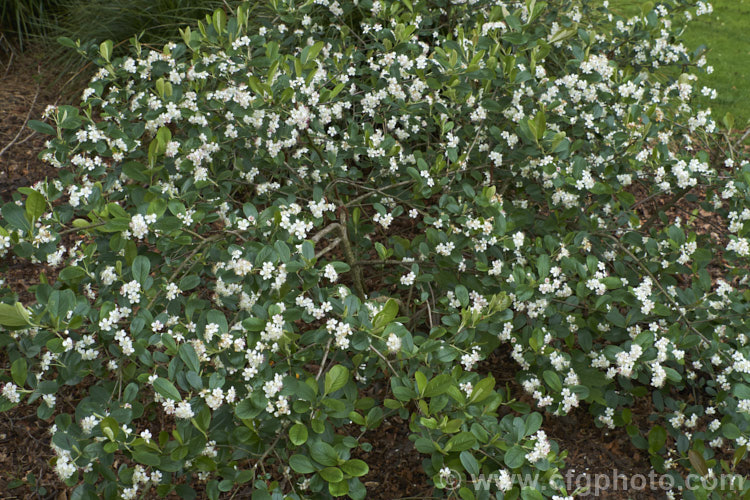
68 117
298 434
109 427
421 381
301 464
189 282
462 294
355 467
71 274
146 458
167 389
311 51
482 390
386 315
437 385
533 423
246 410
461 442
553 380
308 250
219 20
338 489
336 378
324 454
283 250
42 127
135 171
657 437
529 493
698 462
105 49
540 124
190 357
141 267
730 431
16 217
14 316
515 457
19 371
332 474
469 462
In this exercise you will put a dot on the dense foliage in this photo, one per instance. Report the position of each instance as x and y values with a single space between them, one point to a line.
255 227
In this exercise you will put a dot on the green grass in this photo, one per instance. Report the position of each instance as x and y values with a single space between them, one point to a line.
725 33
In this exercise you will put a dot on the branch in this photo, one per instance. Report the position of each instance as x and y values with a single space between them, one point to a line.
324 231
682 192
327 249
659 286
384 359
31 108
349 253
325 358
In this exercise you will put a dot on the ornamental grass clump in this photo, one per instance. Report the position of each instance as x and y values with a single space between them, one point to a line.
256 226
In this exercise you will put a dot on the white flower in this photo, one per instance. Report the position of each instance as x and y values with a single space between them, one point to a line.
503 480
172 291
139 226
88 423
408 279
330 273
10 391
470 359
132 291
108 275
445 248
64 467
184 410
393 343
541 448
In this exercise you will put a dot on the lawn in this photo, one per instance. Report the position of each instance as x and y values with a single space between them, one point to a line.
724 33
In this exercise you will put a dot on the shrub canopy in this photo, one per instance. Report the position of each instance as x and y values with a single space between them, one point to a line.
255 225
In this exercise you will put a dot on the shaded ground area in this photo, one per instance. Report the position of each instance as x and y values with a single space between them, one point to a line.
24 442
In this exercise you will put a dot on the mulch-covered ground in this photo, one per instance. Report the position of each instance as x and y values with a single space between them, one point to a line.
395 466
24 93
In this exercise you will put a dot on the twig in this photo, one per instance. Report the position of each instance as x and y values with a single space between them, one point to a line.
327 249
682 192
32 134
31 108
659 286
376 262
10 62
384 359
84 228
429 309
324 231
744 136
269 449
356 270
374 190
182 266
325 358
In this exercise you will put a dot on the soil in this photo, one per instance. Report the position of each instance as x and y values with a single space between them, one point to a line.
395 465
24 439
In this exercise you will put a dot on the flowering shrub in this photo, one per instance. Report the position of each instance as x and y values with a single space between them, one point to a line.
255 225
